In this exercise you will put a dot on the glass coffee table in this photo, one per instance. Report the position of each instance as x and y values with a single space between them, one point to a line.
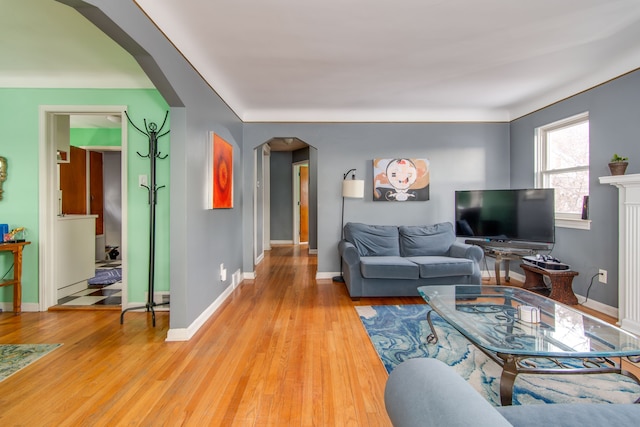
566 340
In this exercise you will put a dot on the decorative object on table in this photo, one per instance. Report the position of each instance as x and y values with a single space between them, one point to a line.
153 134
618 164
400 180
352 189
14 357
15 235
3 173
398 333
4 232
529 314
219 173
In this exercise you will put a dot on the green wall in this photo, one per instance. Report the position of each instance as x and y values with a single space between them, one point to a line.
85 137
20 124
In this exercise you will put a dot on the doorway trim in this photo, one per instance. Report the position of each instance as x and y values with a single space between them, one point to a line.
296 200
47 292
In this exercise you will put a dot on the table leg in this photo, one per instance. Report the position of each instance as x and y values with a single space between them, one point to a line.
17 276
497 269
432 338
506 270
561 290
508 377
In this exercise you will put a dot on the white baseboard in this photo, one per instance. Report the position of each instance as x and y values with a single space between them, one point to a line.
313 252
7 307
251 275
598 306
281 242
185 334
326 275
490 275
260 258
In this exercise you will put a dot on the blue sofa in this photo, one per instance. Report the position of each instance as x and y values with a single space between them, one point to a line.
389 260
427 392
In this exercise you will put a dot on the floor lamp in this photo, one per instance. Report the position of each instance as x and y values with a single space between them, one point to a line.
353 189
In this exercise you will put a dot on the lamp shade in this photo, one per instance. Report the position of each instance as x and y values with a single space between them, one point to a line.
353 188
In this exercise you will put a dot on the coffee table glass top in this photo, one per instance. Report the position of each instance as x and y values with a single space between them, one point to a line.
489 319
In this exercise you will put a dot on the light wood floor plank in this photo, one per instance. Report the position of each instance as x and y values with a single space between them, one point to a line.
284 349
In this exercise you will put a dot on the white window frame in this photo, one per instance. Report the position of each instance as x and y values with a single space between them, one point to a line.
565 220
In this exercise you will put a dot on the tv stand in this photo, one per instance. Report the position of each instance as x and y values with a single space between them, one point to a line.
513 244
506 251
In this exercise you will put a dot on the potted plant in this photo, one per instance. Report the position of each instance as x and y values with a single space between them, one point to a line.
618 165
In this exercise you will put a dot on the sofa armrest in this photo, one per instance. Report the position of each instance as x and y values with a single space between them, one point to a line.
350 259
427 392
463 250
348 252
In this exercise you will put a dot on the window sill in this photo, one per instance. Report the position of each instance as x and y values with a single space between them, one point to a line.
580 224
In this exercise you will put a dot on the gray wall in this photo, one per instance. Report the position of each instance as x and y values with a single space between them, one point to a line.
462 156
281 196
200 239
281 189
614 120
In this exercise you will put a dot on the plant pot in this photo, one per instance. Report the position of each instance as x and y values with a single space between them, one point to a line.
618 168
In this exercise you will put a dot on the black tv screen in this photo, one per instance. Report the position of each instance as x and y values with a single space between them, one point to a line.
505 215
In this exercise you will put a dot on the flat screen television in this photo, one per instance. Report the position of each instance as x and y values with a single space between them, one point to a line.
526 215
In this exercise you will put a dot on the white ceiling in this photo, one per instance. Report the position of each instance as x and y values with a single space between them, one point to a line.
337 60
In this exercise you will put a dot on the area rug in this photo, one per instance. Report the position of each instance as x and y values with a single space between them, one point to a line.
106 276
14 357
399 333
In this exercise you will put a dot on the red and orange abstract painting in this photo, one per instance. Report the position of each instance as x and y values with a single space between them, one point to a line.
221 174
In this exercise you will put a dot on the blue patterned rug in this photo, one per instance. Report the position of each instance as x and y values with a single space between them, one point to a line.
14 357
398 333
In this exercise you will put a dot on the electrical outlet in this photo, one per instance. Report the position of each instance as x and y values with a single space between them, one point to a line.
602 276
223 273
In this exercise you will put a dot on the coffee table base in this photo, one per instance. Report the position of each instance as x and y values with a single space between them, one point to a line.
512 366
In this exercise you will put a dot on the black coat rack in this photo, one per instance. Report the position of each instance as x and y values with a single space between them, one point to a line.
153 134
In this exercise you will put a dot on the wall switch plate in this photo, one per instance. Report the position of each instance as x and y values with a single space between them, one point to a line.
142 181
602 276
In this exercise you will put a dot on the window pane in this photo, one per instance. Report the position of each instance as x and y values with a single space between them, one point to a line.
570 188
569 146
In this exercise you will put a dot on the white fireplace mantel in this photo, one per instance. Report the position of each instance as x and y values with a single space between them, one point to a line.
628 249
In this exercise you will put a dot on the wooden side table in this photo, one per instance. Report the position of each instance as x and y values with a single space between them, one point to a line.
16 281
561 281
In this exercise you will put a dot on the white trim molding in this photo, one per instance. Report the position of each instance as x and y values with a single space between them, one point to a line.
185 334
628 249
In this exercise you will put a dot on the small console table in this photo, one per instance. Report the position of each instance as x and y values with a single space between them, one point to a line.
561 281
505 252
16 282
505 255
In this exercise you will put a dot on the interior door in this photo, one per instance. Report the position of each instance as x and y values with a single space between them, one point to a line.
304 204
96 193
73 183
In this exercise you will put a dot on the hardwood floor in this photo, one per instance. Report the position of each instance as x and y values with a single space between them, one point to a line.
284 349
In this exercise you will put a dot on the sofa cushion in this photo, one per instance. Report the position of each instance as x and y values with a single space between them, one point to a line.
388 267
426 239
373 240
442 266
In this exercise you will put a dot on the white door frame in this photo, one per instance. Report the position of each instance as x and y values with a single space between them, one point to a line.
48 196
296 200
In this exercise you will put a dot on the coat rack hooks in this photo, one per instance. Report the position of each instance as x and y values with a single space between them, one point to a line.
153 134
